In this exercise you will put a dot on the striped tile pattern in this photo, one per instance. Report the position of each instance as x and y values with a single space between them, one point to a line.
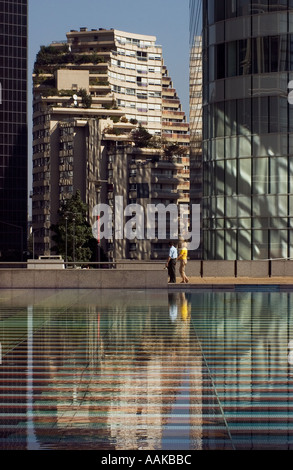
145 370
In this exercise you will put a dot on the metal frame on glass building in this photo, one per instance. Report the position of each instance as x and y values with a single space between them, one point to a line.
13 129
247 129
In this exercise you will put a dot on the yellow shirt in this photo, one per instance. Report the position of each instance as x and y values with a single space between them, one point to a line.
183 252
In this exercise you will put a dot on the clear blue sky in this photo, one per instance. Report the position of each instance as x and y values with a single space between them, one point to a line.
168 20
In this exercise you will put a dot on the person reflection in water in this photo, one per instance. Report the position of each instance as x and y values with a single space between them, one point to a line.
173 307
178 304
185 307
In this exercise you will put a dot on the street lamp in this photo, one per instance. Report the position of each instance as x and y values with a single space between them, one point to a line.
33 233
98 185
73 240
73 235
66 220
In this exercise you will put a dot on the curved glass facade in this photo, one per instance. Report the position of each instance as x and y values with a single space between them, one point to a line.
247 129
195 108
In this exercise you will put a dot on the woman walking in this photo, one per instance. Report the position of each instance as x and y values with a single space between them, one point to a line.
183 262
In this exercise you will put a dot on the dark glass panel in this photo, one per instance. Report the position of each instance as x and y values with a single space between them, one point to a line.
220 61
245 59
243 7
244 116
232 59
278 112
260 55
231 118
260 115
231 8
259 6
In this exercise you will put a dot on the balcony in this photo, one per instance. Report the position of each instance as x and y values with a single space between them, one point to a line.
167 179
166 194
176 137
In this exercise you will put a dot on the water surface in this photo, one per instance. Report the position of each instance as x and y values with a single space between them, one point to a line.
149 370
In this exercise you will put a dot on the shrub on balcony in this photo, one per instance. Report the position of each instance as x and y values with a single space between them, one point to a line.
173 151
98 81
141 137
49 92
86 99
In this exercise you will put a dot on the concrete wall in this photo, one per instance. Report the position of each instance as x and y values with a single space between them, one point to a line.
253 269
281 268
219 268
126 265
248 269
206 269
67 78
137 275
81 279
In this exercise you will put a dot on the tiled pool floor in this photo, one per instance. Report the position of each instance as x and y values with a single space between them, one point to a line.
146 370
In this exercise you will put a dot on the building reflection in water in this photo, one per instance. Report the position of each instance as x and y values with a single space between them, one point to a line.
106 374
150 370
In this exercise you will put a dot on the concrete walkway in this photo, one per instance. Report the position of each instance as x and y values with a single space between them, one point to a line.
202 281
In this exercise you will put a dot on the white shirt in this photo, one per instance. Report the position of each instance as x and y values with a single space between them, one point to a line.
173 252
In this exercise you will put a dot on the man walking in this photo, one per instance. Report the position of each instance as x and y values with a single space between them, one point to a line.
171 263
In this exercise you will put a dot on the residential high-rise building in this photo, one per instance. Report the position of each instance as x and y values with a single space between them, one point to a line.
13 129
247 129
90 93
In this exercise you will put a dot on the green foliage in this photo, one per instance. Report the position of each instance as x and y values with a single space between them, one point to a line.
113 105
156 142
66 92
85 98
73 226
44 80
50 57
49 92
141 137
114 131
99 81
175 150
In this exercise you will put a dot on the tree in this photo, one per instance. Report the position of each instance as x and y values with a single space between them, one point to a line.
141 137
85 98
73 234
175 150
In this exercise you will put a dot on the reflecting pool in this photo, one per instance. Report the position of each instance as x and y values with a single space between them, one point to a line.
149 370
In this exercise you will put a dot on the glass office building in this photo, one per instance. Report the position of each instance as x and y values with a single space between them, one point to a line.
195 109
13 129
247 129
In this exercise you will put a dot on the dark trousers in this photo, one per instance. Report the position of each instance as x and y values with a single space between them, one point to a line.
172 270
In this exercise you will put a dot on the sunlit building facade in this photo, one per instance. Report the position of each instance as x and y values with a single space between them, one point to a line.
247 129
13 129
85 142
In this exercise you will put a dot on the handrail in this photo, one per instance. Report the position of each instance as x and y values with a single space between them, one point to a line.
74 264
